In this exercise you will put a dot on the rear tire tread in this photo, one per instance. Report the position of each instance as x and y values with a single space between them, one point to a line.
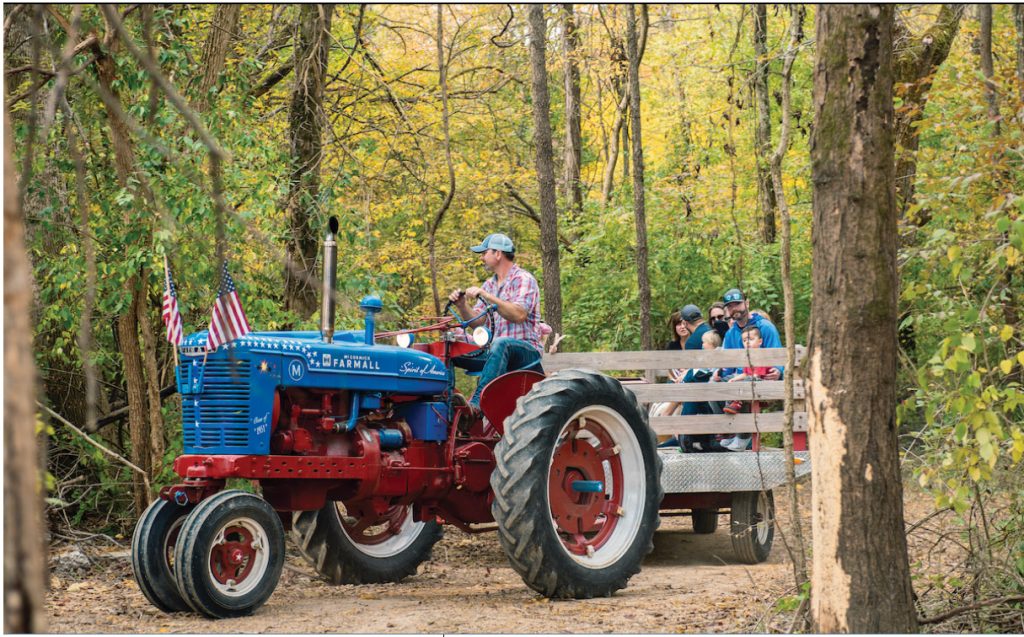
520 484
321 541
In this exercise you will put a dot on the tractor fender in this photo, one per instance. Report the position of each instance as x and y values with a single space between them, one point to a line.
498 398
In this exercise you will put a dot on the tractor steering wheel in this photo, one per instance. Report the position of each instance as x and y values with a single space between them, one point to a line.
488 311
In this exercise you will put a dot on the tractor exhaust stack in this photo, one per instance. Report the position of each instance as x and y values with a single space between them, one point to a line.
330 278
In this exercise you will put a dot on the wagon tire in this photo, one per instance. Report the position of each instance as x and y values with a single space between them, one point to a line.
153 544
341 556
752 525
229 555
577 486
705 521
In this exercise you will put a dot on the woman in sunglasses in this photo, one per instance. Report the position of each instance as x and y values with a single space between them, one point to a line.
717 318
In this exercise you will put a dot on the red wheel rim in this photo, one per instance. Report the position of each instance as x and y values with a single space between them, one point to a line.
374 529
585 521
232 560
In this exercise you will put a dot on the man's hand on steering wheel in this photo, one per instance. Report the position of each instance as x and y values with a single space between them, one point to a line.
457 298
460 299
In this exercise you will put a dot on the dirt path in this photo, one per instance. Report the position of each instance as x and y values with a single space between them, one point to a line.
690 583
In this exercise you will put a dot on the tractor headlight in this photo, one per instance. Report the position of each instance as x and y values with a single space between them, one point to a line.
404 339
481 336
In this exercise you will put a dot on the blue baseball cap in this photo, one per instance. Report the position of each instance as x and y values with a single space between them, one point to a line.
690 313
496 241
732 296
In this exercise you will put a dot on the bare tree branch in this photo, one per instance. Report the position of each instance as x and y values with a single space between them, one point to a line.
1009 599
91 441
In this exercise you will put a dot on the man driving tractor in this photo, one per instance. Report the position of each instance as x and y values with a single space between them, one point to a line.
514 291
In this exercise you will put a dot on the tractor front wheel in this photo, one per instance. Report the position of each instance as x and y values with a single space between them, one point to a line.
153 542
577 486
229 554
346 549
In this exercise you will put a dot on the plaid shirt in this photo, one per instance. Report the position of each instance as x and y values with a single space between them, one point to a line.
520 288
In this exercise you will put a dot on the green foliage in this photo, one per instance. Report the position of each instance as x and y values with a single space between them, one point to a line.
961 292
790 603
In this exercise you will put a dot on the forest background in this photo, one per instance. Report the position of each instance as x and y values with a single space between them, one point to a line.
419 136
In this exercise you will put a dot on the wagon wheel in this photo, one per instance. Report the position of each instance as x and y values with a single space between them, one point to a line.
347 549
705 521
577 486
752 525
229 554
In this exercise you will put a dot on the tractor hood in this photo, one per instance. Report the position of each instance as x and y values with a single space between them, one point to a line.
302 359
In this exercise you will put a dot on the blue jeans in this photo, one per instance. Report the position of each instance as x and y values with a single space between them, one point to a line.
507 354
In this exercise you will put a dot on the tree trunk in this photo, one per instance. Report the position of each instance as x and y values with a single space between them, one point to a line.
639 213
763 131
156 418
915 64
625 143
124 154
1018 21
24 529
991 97
860 574
545 169
600 109
620 113
613 152
128 338
573 136
215 51
442 81
305 123
797 552
127 322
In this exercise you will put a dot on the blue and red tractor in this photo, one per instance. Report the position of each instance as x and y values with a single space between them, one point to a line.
363 450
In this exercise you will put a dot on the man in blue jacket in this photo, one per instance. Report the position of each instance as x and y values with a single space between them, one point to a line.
736 307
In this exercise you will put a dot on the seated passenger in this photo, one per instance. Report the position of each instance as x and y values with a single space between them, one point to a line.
736 308
751 340
717 318
680 332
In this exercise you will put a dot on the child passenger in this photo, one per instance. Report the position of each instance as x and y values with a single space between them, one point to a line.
751 340
702 442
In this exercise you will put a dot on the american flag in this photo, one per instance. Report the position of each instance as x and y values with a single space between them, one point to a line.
170 314
228 321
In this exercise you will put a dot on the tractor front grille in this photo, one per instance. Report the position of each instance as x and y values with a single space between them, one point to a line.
216 420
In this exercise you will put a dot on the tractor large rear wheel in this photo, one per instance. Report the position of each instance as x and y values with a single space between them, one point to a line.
347 550
577 486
